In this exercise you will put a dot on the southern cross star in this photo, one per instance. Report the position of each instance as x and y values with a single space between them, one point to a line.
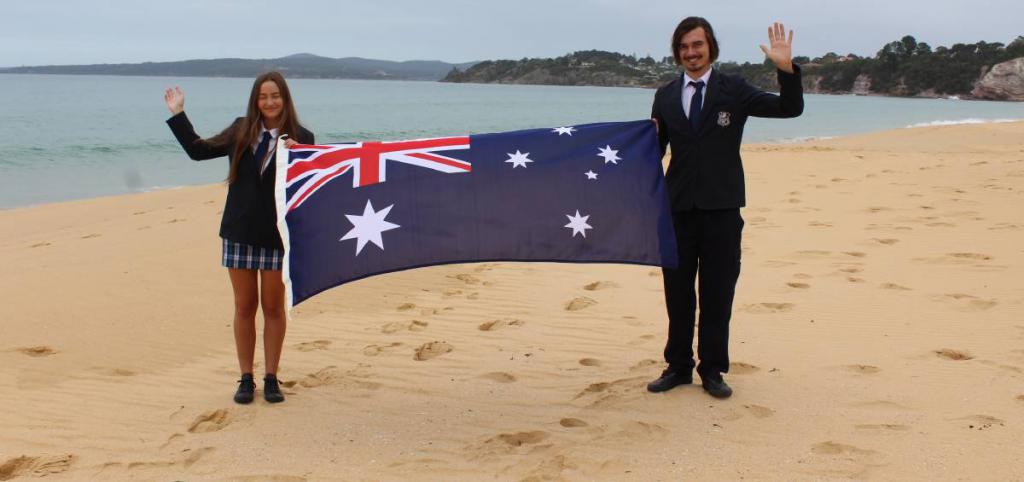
609 155
578 224
518 159
591 175
564 130
368 227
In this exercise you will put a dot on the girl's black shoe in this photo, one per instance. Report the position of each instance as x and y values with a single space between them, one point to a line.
271 389
246 389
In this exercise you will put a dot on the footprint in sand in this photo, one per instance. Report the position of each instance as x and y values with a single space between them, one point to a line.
177 220
374 350
835 448
640 365
740 368
88 236
313 345
851 270
39 245
1020 398
886 241
634 429
854 279
405 307
500 377
971 303
798 285
466 278
971 256
590 362
600 285
117 372
802 276
813 253
855 254
35 466
521 438
761 308
951 354
211 421
820 224
395 327
894 286
883 426
862 369
331 375
982 422
570 422
432 350
499 324
37 351
759 411
579 303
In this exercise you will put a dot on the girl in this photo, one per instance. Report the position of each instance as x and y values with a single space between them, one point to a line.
252 249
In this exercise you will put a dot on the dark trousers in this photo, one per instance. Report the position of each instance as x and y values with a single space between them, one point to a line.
709 247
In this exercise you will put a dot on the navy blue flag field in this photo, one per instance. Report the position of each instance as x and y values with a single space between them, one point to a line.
590 193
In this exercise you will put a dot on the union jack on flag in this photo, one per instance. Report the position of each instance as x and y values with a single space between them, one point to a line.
367 161
513 196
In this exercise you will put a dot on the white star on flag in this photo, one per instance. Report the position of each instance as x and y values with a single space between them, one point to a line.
609 155
368 227
591 174
578 224
564 130
518 159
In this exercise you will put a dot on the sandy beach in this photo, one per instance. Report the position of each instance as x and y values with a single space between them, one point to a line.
878 333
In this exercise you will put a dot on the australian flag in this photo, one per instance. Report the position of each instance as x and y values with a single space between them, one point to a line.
591 193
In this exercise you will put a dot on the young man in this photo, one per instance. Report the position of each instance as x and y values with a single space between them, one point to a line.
701 115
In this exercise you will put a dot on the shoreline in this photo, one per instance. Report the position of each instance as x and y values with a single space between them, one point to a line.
745 147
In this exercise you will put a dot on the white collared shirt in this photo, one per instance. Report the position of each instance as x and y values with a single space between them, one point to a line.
689 90
270 149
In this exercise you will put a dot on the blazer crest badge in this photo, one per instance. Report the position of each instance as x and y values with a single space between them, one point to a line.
723 119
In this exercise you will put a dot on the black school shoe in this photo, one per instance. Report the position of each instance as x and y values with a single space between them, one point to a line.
669 379
715 385
271 390
246 389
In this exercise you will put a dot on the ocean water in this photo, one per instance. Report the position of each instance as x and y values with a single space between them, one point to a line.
73 137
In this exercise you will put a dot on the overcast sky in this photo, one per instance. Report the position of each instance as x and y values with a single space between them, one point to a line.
44 32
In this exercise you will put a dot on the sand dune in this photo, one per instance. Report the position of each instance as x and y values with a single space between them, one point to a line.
878 334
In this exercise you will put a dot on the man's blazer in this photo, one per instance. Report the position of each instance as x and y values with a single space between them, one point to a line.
706 171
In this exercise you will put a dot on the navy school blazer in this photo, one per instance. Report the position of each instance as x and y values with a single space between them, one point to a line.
250 213
705 170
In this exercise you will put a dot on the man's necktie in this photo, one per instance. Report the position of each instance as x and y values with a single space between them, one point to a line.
695 105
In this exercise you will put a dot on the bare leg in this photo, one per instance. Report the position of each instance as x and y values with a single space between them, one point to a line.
274 318
243 283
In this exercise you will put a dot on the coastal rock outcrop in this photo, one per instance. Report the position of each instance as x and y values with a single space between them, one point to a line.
1004 81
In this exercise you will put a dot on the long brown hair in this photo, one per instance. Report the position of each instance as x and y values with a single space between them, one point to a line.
248 129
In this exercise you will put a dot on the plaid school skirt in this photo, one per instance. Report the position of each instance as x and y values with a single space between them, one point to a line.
244 256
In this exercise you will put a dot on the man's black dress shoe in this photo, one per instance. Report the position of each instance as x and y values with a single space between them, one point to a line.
271 390
715 386
670 379
246 388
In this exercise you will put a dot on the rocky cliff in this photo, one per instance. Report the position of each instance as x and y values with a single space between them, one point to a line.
1004 81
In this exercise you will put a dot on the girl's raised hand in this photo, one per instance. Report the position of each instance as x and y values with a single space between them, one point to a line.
175 100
